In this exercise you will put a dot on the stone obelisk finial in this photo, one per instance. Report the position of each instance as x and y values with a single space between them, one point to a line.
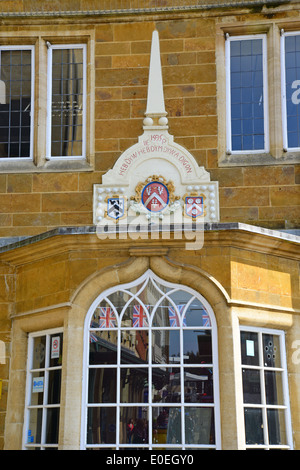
155 112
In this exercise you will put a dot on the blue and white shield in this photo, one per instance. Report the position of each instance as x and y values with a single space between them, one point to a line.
115 207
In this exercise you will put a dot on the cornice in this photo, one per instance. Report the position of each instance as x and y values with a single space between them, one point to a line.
148 243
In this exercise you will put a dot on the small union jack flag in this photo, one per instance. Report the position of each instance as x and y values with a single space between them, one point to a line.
93 338
107 318
139 317
205 318
173 316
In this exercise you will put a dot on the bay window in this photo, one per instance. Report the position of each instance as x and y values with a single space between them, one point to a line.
42 412
151 369
265 389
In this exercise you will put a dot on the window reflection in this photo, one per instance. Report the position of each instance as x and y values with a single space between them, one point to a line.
101 425
134 385
103 347
198 385
134 346
102 385
170 383
134 425
199 426
166 385
165 346
166 425
197 346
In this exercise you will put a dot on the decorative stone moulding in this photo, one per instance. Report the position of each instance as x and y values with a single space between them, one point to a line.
156 179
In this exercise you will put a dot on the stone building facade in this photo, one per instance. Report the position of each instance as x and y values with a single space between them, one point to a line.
132 190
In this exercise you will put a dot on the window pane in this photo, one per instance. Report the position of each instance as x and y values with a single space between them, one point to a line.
246 67
67 102
196 315
135 316
37 388
167 315
52 425
103 347
254 426
271 350
134 385
198 385
35 425
251 386
274 390
56 349
102 385
104 317
101 425
249 348
138 416
276 427
166 385
199 425
54 384
15 103
165 346
197 347
292 70
166 425
134 346
39 352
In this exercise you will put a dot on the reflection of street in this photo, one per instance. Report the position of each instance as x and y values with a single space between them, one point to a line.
156 365
166 427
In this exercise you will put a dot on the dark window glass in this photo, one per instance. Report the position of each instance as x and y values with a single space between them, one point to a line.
67 102
292 73
247 95
15 103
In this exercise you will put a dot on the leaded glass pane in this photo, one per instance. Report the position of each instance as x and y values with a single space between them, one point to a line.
15 102
247 95
67 102
292 88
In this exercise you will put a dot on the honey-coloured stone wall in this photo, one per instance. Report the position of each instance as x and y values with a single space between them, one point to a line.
264 193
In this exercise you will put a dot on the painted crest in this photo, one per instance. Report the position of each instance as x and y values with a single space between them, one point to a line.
155 196
115 207
194 205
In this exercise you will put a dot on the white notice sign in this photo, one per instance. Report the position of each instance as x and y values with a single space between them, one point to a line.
250 348
55 346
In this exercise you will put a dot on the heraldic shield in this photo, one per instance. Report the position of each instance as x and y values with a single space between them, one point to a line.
116 207
155 196
194 206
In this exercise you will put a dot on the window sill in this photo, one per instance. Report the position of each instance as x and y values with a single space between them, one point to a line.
255 159
28 166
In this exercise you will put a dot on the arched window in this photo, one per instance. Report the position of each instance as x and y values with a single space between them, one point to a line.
151 369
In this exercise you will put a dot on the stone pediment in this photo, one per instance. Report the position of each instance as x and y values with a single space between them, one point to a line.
156 178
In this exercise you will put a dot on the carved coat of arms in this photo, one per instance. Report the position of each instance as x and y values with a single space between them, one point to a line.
155 196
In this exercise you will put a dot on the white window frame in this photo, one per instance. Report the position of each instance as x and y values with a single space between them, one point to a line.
215 363
264 406
42 445
51 47
283 35
228 40
32 49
